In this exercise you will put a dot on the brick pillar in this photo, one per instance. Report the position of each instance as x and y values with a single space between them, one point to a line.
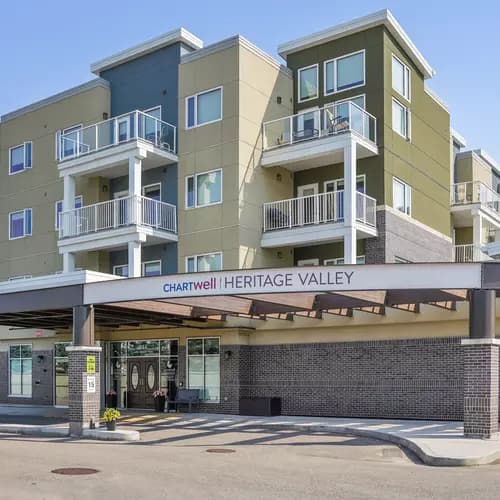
481 388
84 394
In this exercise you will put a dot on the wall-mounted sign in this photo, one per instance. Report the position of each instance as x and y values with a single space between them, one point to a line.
91 384
90 364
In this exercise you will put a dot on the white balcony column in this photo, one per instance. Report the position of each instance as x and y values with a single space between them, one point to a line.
134 259
134 176
68 262
350 203
69 192
477 230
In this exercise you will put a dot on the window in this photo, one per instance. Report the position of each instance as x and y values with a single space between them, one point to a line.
400 119
360 259
308 262
203 360
20 158
308 83
204 189
154 112
20 370
400 78
206 262
121 270
61 374
71 141
152 191
59 208
401 196
151 268
203 108
20 224
344 72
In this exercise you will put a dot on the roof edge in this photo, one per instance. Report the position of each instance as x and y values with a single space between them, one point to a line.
96 82
458 138
381 17
177 35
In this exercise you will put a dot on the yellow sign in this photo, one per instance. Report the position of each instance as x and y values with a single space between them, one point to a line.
90 364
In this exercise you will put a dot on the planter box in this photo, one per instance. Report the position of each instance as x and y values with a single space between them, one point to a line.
260 407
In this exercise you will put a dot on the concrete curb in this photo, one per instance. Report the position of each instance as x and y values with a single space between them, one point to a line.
105 435
423 453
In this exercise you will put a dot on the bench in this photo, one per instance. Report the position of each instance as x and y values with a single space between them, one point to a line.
185 396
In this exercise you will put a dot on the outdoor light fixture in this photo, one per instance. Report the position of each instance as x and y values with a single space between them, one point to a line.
228 354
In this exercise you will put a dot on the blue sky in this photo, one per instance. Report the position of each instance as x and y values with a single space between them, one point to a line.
48 46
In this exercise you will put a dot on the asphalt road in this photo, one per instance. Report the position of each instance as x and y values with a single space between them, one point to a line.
172 462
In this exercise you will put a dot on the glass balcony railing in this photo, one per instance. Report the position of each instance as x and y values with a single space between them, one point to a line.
469 253
115 131
466 193
328 121
316 209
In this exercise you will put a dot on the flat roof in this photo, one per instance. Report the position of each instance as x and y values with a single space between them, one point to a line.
177 35
380 18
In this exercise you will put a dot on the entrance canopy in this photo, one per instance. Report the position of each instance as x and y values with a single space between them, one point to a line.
282 293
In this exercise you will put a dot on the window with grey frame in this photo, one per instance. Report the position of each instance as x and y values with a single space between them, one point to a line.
61 380
20 370
203 367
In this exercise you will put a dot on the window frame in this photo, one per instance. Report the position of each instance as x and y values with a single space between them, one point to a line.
20 277
56 215
158 106
334 62
299 71
56 358
9 393
143 266
195 187
22 145
25 233
203 355
407 115
336 261
154 184
308 262
118 266
195 257
406 78
407 193
196 96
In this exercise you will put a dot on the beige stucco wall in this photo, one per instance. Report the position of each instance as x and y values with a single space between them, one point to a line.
40 187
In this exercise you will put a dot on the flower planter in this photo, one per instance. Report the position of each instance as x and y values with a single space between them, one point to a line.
111 400
159 402
111 426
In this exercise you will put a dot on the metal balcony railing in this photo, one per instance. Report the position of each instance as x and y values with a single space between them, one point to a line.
465 193
115 131
469 253
316 209
328 121
113 214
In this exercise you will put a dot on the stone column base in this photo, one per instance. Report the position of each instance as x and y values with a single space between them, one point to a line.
481 358
84 387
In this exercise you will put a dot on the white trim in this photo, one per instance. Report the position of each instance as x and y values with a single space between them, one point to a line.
175 36
337 180
143 266
480 342
148 186
195 189
347 99
381 17
406 77
336 261
195 96
25 233
22 145
307 262
195 257
458 138
305 68
147 111
26 396
334 61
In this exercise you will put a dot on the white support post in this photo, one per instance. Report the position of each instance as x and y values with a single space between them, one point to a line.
477 230
134 176
134 259
69 192
68 262
350 203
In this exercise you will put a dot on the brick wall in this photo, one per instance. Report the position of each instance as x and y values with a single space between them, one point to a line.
42 379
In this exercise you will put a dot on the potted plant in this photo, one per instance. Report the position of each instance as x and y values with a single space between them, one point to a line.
111 399
159 400
110 415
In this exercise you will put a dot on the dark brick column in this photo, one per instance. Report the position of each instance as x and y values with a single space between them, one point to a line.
84 406
481 388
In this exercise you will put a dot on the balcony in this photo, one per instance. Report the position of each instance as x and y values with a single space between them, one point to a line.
315 219
316 138
114 223
476 196
107 145
469 253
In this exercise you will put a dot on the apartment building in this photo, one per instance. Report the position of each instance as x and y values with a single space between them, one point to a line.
184 158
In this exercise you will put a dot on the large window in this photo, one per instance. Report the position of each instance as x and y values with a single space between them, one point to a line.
59 208
401 196
20 364
400 78
203 108
204 189
20 158
149 268
400 119
308 83
206 262
61 374
20 224
203 360
344 72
